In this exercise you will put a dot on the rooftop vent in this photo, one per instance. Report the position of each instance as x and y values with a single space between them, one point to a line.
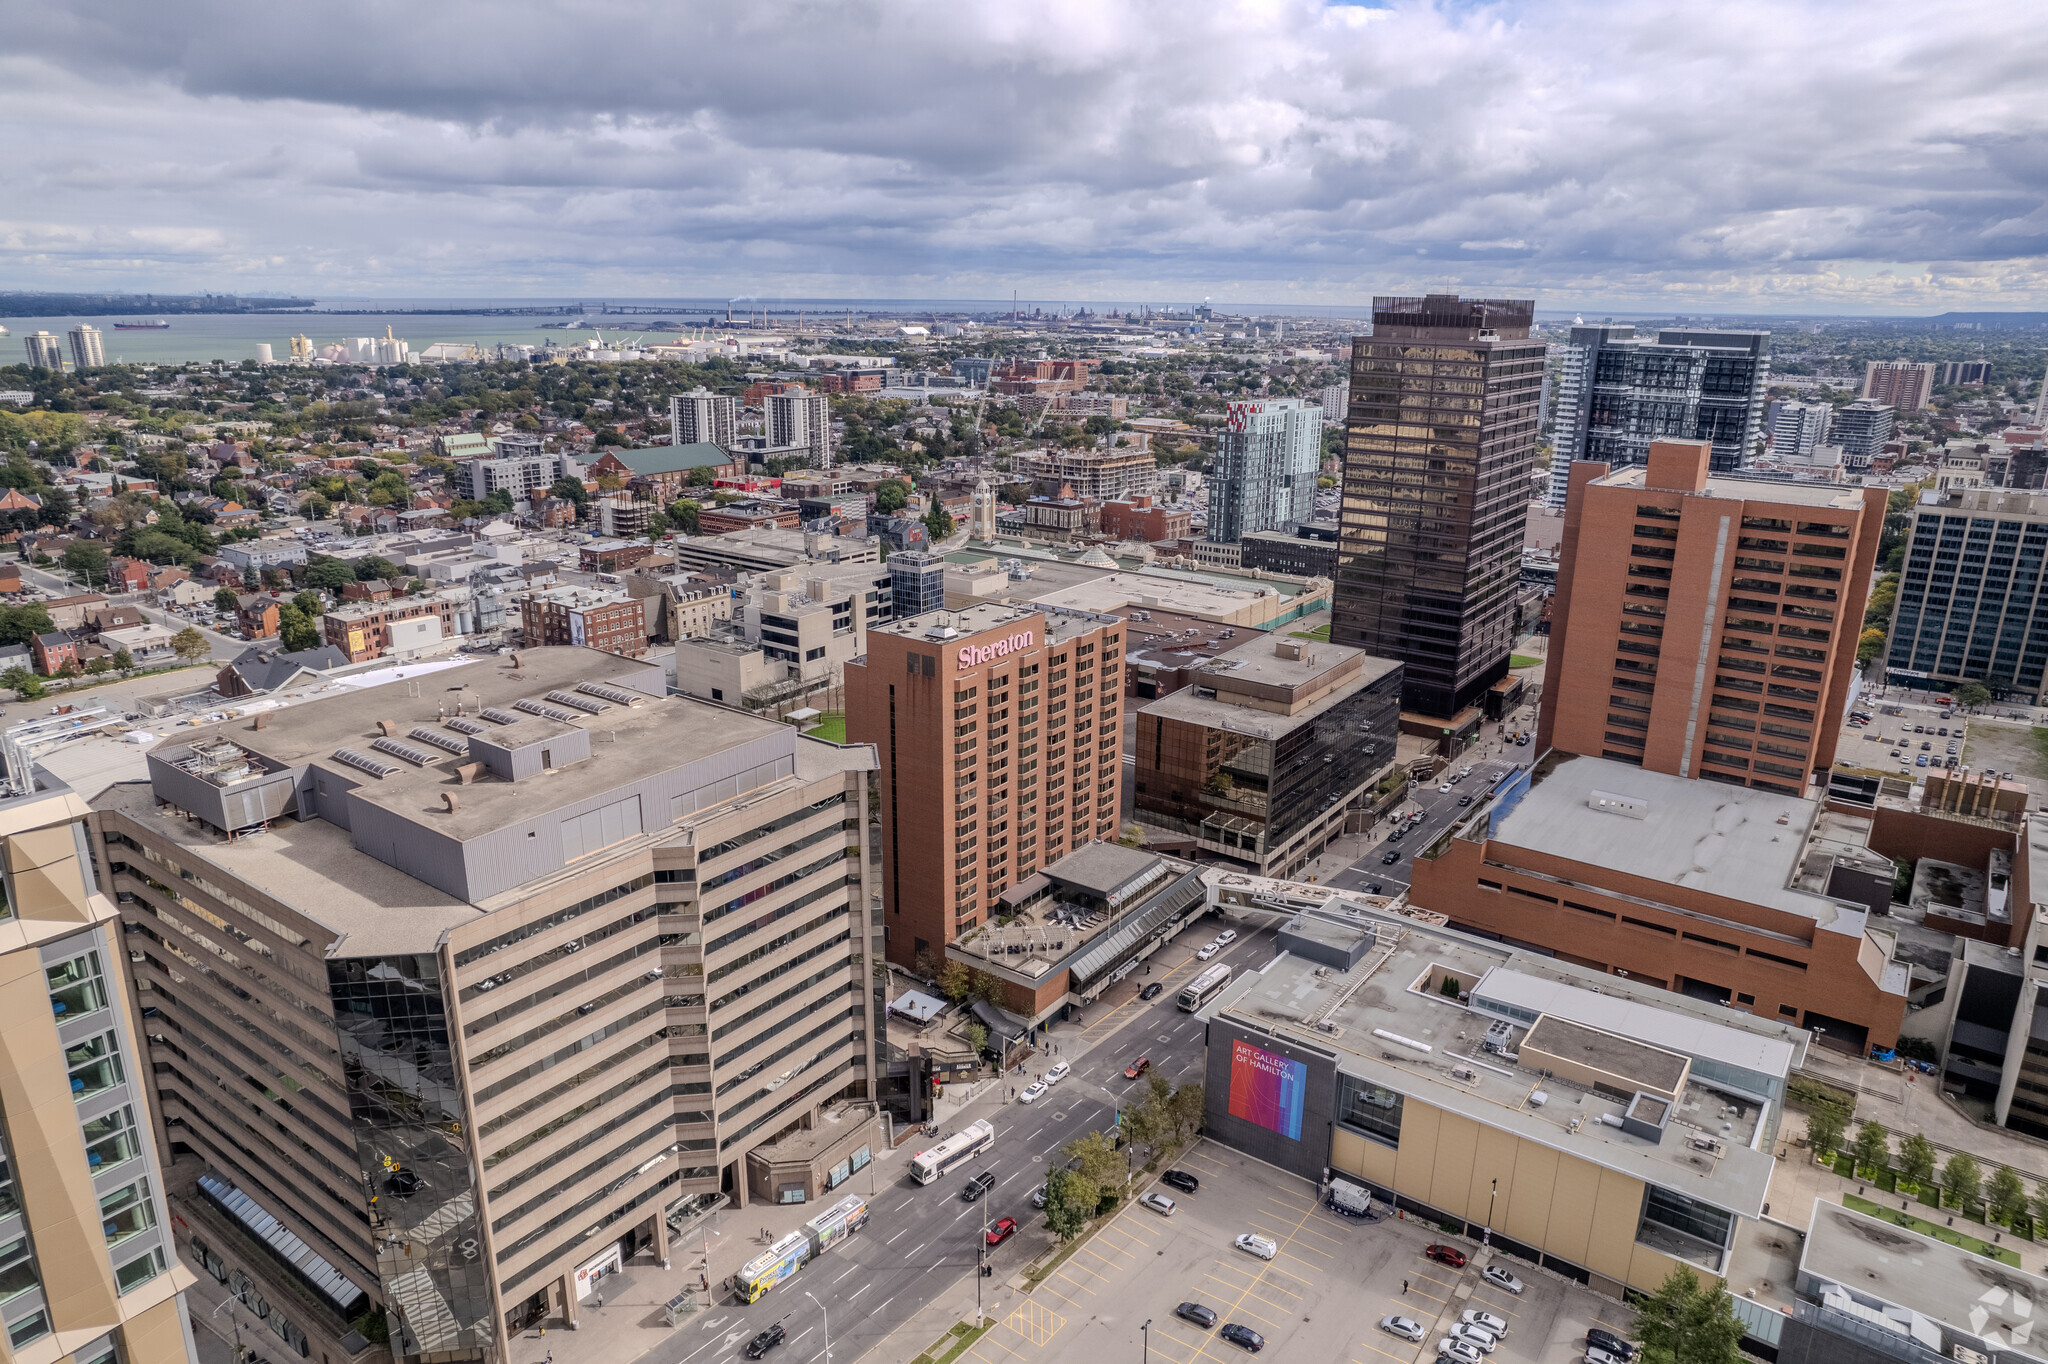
563 698
462 726
1629 807
498 717
536 708
363 762
399 748
610 693
439 740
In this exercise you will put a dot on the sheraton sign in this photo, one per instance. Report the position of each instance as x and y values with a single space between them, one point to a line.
975 654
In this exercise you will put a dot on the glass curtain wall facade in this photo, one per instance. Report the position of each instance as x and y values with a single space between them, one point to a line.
405 1104
1438 451
1267 455
1973 601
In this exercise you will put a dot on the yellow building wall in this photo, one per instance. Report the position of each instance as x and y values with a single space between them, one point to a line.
1548 1199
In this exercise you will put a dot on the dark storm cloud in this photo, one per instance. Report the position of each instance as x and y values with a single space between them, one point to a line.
1780 155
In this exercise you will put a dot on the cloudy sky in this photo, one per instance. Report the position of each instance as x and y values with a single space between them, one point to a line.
1865 157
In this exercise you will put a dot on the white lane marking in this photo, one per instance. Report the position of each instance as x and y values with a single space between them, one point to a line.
864 1287
920 1246
892 1240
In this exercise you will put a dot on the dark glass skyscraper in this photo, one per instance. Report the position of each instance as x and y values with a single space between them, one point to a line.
1438 450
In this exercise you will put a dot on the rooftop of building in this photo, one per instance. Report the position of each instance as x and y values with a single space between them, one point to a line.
939 627
1835 495
1732 842
667 459
1387 1020
1083 913
636 732
1257 662
1949 1299
1192 593
578 597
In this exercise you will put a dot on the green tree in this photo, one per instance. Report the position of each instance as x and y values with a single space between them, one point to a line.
160 547
682 514
938 522
2038 1206
1916 1160
190 645
1184 1112
2006 1195
224 598
892 496
1688 1322
123 660
316 508
375 566
1070 1200
1961 1179
573 489
1869 644
1972 695
1097 1158
987 988
20 624
87 560
296 630
309 604
1825 1123
1873 1146
23 683
329 574
955 981
498 502
977 1038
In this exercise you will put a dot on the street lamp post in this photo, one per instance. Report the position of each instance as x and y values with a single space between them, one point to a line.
233 1321
825 1317
1147 1330
1487 1239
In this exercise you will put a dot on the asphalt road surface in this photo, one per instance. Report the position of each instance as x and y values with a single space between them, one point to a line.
1439 811
922 1238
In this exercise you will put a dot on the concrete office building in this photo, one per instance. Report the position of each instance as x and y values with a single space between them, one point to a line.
1903 385
88 350
1861 429
1336 400
1437 455
1969 594
769 548
1264 475
1797 427
523 475
45 350
1617 392
1262 755
1975 373
801 420
88 1271
537 977
1309 550
1607 866
1707 627
1607 1133
997 729
701 417
1095 473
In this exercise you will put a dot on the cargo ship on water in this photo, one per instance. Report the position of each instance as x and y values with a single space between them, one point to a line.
159 325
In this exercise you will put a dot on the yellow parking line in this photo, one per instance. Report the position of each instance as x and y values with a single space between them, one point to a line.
1416 1292
1258 1226
1418 1274
1501 1308
1240 1310
1311 1231
1076 1283
1405 1359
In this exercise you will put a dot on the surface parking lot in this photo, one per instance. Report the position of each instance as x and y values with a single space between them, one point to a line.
1319 1300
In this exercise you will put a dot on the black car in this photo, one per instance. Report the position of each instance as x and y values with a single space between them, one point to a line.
1390 859
1373 888
1610 1342
1196 1313
1151 991
766 1341
978 1186
1397 835
1182 1180
1244 1337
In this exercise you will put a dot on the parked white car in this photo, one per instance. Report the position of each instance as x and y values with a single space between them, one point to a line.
1482 1341
1227 936
1261 1246
1059 1072
1033 1092
1402 1327
1157 1202
1501 1279
1207 950
1485 1321
1457 1351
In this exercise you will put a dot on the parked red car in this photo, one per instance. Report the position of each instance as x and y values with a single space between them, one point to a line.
1137 1067
1447 1255
1002 1231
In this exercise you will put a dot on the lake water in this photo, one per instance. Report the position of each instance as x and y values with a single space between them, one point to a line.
233 337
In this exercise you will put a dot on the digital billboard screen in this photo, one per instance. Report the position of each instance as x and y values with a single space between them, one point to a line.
1267 1089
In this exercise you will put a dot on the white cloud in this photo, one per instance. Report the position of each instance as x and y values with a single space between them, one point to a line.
1780 156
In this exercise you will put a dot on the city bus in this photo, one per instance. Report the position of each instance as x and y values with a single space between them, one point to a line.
1203 988
955 1151
772 1266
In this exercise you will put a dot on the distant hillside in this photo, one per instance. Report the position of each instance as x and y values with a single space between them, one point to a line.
2000 320
22 304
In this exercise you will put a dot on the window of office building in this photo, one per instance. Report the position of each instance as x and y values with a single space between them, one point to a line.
1370 1109
1684 1227
77 987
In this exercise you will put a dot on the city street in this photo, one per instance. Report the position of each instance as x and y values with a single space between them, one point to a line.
1440 809
921 1240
